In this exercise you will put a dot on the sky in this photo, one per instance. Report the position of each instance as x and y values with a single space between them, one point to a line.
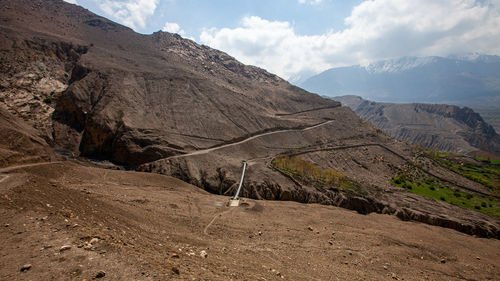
296 39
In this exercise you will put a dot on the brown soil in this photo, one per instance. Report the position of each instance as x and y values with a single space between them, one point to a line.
19 142
154 227
89 87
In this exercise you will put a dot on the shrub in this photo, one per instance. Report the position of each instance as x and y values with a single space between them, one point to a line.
429 181
310 172
435 189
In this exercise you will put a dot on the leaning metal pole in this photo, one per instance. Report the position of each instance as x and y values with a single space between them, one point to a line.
241 181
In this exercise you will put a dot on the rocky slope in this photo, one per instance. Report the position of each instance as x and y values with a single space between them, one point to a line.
433 126
160 103
101 111
490 114
20 143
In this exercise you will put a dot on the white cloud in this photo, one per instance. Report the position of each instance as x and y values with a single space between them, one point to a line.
132 13
173 27
71 1
312 2
272 45
376 29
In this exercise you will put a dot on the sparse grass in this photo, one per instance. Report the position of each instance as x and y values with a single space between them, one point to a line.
311 173
433 188
486 174
488 161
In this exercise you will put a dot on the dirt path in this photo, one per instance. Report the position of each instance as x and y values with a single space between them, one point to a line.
7 181
11 168
208 150
4 178
305 111
218 215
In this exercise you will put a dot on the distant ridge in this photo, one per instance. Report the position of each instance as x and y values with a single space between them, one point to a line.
434 126
472 80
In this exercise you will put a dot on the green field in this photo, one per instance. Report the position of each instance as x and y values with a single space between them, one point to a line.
488 161
487 174
433 188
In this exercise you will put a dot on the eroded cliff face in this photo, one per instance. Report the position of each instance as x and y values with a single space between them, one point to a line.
34 73
434 126
479 134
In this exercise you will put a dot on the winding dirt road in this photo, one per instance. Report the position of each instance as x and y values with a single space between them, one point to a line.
208 150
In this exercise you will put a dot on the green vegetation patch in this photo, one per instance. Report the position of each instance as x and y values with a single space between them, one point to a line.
312 174
433 188
487 174
488 161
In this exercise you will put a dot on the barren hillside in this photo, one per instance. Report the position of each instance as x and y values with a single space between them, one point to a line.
66 221
159 103
80 93
434 126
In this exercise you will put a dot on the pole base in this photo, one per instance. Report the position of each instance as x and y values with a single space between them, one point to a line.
234 202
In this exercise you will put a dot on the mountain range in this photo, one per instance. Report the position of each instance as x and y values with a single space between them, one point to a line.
433 126
471 80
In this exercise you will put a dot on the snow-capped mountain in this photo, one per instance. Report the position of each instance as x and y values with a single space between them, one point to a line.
398 65
472 80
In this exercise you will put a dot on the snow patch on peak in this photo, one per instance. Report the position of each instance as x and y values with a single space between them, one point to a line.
399 65
476 57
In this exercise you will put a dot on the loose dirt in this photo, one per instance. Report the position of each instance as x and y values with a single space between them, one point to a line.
122 225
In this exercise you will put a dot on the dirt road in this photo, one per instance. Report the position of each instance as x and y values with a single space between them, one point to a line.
208 150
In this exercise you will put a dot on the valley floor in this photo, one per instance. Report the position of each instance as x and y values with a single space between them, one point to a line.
73 222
